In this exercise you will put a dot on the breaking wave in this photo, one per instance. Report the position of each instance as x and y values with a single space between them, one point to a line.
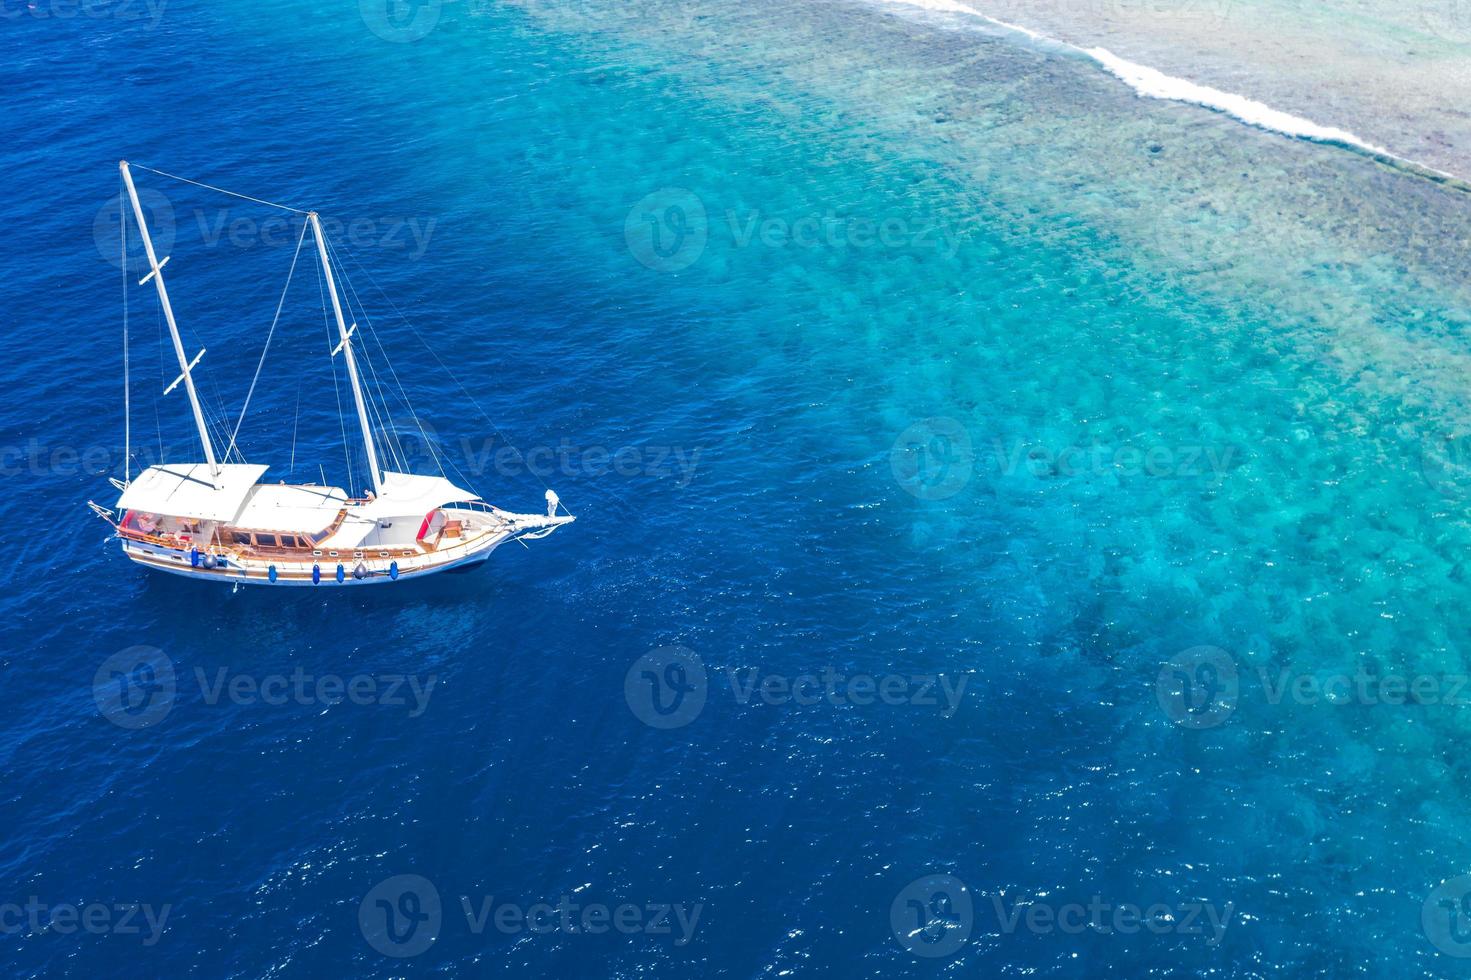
1154 84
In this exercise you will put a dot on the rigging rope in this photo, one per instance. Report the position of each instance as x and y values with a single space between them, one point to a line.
402 393
295 425
435 354
429 444
211 187
390 430
266 349
215 415
367 371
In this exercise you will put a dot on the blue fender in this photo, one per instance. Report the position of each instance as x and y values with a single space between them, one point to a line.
271 574
340 574
194 557
393 570
316 574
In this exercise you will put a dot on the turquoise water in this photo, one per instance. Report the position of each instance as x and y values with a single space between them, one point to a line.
937 353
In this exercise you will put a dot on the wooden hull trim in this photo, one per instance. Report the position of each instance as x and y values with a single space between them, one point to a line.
300 573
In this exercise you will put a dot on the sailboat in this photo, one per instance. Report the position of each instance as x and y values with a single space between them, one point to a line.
219 520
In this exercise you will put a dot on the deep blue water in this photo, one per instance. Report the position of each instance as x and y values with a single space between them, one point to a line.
857 344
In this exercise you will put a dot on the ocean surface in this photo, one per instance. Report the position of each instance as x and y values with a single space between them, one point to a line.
1012 486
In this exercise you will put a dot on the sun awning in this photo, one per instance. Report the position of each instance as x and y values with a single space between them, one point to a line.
410 495
295 509
188 490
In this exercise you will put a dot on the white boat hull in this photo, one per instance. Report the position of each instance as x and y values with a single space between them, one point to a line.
329 569
258 572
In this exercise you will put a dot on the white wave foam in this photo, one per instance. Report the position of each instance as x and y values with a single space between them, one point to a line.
1154 84
952 7
1157 85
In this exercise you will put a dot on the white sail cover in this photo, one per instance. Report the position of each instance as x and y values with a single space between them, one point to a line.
188 490
410 495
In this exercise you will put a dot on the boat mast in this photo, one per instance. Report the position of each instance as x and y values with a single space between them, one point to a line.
346 332
168 314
